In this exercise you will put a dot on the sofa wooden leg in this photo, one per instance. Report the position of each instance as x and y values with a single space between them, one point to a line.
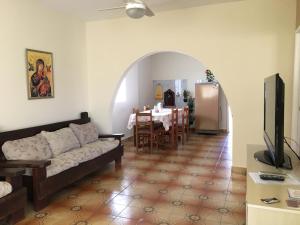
118 163
40 204
17 216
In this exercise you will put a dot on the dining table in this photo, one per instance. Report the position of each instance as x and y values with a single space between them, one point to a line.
163 115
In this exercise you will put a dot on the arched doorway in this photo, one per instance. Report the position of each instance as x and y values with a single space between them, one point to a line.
170 69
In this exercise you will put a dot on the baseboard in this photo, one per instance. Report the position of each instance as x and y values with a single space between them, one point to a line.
239 170
219 131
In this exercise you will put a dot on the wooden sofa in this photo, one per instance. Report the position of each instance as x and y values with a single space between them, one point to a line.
40 188
12 205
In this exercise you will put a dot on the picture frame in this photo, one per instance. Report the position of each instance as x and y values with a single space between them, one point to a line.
39 74
158 92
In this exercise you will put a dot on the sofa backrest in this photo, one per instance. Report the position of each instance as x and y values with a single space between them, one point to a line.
28 132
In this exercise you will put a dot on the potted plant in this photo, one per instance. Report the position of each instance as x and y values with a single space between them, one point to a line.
210 76
191 104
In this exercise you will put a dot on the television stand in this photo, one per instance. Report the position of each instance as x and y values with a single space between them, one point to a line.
259 213
264 157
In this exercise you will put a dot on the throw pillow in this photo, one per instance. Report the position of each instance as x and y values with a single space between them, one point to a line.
31 148
86 133
61 141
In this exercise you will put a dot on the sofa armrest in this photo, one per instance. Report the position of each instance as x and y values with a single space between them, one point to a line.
11 172
115 136
24 164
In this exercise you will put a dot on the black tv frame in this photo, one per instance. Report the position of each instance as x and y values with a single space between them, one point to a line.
275 155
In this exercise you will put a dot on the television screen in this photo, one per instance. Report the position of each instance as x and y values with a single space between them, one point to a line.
274 117
270 110
274 124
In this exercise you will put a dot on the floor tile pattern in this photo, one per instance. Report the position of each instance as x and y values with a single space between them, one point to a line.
192 185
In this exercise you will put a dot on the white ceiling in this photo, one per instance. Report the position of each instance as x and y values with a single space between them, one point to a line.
86 9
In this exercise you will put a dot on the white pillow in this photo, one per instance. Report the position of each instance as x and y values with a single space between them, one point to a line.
5 189
86 133
31 148
61 141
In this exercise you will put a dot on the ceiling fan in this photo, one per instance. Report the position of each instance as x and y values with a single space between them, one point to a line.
134 9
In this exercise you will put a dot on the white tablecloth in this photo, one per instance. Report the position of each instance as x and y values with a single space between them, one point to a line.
165 116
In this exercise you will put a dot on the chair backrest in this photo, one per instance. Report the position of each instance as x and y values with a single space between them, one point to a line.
185 117
143 121
174 130
174 119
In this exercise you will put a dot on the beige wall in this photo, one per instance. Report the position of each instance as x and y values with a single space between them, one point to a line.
123 108
137 93
242 42
174 66
27 24
298 13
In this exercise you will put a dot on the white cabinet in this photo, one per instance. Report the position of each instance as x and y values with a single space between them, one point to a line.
259 213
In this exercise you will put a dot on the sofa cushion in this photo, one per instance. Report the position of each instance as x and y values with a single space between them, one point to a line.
81 155
61 141
31 148
60 164
103 146
86 133
5 188
68 159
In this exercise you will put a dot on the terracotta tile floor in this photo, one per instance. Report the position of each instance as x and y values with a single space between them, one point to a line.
191 185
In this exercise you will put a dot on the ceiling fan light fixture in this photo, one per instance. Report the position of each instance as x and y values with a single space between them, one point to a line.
135 10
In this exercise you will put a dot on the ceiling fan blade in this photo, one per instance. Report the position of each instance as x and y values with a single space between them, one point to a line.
110 9
149 12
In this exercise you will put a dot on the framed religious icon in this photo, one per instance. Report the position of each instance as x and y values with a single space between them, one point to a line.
158 92
40 83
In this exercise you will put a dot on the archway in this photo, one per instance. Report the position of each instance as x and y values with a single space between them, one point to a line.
165 67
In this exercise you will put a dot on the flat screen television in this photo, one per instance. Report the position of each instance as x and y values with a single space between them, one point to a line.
274 124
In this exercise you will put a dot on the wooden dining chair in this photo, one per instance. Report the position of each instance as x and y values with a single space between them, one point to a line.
146 131
183 125
187 122
172 133
134 111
